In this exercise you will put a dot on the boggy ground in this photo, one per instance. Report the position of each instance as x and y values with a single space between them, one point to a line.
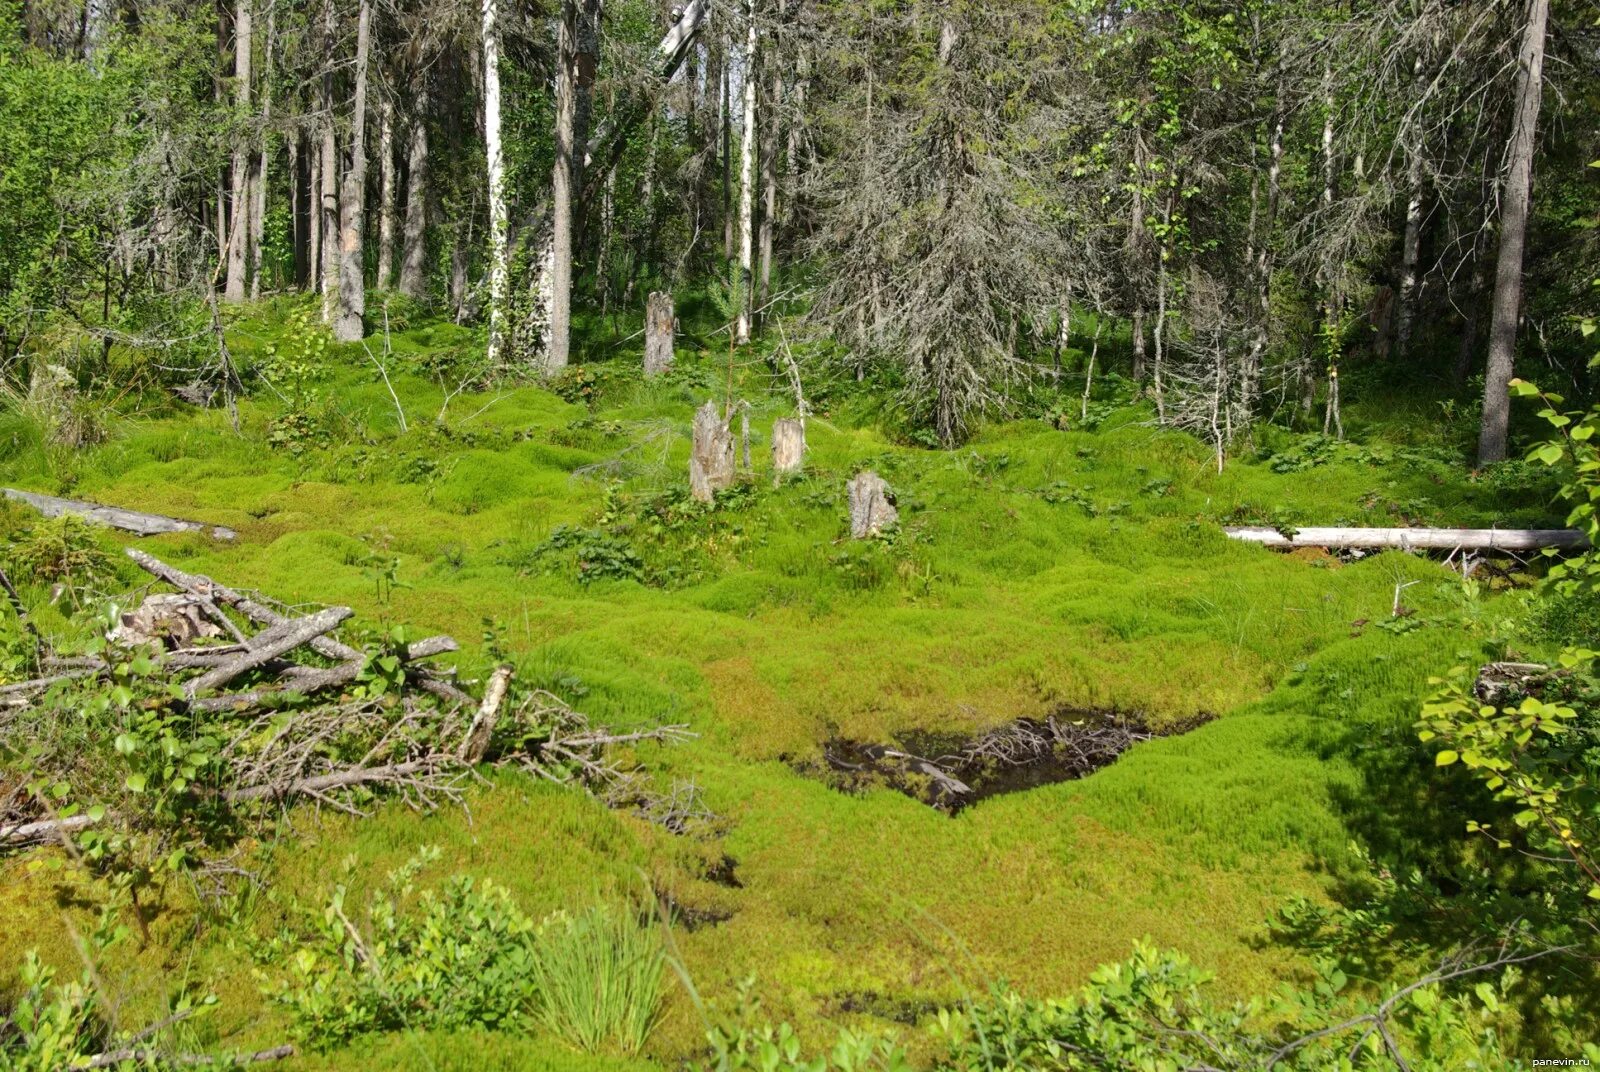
1036 569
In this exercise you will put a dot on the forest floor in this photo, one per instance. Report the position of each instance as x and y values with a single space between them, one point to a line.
1035 570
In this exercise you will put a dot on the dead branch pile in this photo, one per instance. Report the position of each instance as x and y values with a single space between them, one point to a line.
276 708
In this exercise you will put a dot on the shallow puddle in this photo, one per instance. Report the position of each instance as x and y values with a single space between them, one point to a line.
951 772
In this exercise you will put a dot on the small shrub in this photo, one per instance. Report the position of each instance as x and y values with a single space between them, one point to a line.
462 958
61 550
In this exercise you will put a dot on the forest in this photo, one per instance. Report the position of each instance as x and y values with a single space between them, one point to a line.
800 535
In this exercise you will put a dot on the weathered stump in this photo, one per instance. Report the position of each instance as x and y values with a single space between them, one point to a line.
871 505
711 458
788 446
659 322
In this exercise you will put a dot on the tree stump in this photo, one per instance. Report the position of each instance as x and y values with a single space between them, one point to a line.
788 446
711 458
659 321
871 506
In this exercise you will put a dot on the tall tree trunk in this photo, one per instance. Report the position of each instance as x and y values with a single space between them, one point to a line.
328 178
314 212
1263 268
260 176
297 230
1136 244
1516 204
386 193
239 197
350 326
499 269
747 177
577 45
414 248
769 187
1411 243
1467 348
725 122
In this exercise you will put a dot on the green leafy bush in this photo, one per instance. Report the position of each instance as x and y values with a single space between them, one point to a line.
462 957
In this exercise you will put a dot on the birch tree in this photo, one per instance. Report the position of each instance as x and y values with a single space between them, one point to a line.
239 197
499 269
747 178
350 324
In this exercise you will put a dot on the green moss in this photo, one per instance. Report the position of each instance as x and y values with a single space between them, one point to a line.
1034 569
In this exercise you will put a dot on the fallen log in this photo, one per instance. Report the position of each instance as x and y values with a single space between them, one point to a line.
140 524
198 584
268 645
475 745
304 680
42 830
1414 539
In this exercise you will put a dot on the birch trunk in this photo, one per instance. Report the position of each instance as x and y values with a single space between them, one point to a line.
262 172
1136 245
239 196
1411 244
328 179
769 188
386 193
576 48
350 326
1517 203
1263 266
314 213
747 178
725 120
297 231
414 250
498 222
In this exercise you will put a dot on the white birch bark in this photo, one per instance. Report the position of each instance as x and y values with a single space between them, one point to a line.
747 178
386 193
350 325
260 175
328 184
239 196
498 221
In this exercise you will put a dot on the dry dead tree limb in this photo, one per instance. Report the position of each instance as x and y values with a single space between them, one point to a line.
475 745
264 615
23 687
112 1058
141 524
393 773
42 830
268 645
1415 539
201 585
304 680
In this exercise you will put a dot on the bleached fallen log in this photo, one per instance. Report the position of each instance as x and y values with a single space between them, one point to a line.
35 833
323 645
475 745
133 521
268 645
1414 539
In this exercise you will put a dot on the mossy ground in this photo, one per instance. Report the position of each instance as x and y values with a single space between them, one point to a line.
1035 568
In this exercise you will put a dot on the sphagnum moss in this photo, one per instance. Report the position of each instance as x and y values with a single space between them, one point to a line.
1035 569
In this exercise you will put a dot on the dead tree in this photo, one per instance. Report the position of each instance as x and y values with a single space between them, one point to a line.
788 446
711 457
872 506
660 321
